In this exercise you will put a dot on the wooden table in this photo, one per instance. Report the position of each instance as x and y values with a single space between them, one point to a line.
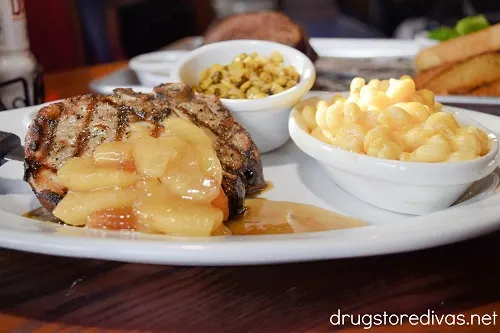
41 293
74 82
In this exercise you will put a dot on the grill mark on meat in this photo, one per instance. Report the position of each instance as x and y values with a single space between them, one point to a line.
102 126
231 142
130 118
49 199
83 137
38 143
111 118
71 122
43 164
157 130
48 132
196 113
159 117
122 123
139 109
40 147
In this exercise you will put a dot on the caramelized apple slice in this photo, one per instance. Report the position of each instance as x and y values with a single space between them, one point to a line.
209 163
80 174
151 156
139 130
152 191
185 177
174 142
178 218
146 228
75 207
114 155
185 130
123 218
222 231
221 203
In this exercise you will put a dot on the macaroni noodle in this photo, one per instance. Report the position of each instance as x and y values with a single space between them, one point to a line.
390 119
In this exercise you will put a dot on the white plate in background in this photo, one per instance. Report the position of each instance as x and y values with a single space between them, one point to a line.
460 99
423 41
296 178
364 47
155 68
122 78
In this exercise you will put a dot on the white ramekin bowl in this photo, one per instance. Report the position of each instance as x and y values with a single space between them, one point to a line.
153 69
265 119
402 187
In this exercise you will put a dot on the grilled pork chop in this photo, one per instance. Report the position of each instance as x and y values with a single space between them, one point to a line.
76 126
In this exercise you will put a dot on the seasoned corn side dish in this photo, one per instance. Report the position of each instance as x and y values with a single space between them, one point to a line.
389 119
170 184
248 77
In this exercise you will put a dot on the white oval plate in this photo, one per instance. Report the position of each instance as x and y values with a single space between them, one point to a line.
296 178
364 47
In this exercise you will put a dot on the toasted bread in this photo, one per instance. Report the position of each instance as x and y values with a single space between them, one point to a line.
492 89
459 49
462 77
422 79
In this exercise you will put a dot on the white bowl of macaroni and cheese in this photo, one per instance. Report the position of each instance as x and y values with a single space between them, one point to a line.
394 147
262 111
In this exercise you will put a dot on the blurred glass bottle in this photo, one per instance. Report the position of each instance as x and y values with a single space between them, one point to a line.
21 81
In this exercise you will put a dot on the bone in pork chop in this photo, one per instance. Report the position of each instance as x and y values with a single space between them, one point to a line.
76 126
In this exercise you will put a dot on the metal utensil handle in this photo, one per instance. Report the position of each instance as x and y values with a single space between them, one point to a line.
8 142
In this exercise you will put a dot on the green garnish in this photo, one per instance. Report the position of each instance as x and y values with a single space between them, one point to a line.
442 33
471 24
465 26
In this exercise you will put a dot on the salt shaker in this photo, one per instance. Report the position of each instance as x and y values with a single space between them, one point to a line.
20 75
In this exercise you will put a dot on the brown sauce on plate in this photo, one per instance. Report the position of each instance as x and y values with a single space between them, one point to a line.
269 186
41 214
266 217
263 217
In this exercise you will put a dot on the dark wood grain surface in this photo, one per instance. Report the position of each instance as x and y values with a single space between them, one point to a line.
38 291
41 293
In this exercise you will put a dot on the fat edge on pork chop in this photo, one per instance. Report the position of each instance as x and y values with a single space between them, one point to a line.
77 125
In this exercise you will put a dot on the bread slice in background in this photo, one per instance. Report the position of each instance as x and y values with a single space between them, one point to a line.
465 76
271 26
459 49
492 89
422 79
